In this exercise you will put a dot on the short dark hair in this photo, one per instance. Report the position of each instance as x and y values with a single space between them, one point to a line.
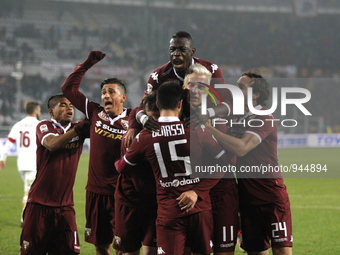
30 106
168 95
149 102
259 84
120 83
183 34
53 100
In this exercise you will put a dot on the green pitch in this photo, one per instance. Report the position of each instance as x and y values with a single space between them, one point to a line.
315 204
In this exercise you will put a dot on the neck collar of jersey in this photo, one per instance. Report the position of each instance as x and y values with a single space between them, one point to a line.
122 115
59 125
179 77
168 119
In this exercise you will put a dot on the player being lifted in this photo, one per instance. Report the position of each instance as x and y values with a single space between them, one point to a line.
181 55
23 132
264 203
184 209
109 123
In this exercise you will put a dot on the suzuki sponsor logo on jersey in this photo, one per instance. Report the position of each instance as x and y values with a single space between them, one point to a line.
176 182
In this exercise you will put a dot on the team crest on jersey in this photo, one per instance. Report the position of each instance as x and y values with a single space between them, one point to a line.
25 245
43 128
125 124
88 232
148 88
103 116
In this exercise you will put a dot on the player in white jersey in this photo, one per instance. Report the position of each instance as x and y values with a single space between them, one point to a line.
24 134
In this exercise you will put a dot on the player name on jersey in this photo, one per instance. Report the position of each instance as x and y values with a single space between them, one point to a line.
169 130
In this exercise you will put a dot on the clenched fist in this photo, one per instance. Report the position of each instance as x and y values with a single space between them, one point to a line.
93 58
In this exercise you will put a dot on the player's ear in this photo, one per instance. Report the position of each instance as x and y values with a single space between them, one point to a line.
193 50
124 98
256 95
179 105
50 111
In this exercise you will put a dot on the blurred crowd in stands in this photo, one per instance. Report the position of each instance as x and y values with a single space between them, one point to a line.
306 47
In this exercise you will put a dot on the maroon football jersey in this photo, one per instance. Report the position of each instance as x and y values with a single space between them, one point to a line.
168 152
106 136
167 73
137 188
259 187
56 171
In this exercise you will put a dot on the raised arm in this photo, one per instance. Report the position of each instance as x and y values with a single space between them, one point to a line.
70 88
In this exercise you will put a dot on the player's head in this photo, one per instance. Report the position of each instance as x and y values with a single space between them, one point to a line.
33 109
170 97
261 88
150 106
60 109
196 78
113 95
181 51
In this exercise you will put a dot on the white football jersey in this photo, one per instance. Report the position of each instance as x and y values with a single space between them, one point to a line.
24 133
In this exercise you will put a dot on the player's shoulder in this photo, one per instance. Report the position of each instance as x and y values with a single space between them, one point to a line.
200 132
208 64
162 70
43 125
212 67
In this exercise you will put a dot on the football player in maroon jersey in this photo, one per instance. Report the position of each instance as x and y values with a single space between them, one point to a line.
135 201
224 195
109 124
181 55
184 208
49 218
264 202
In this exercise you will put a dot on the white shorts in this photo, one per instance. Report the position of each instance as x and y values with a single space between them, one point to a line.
28 178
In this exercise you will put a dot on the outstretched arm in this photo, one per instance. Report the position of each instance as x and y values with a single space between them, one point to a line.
70 88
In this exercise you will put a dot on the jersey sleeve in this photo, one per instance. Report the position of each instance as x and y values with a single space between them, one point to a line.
70 89
153 82
13 134
133 123
45 129
131 157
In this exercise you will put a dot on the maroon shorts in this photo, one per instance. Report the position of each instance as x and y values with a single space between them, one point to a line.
49 230
100 218
134 226
194 230
265 224
226 220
